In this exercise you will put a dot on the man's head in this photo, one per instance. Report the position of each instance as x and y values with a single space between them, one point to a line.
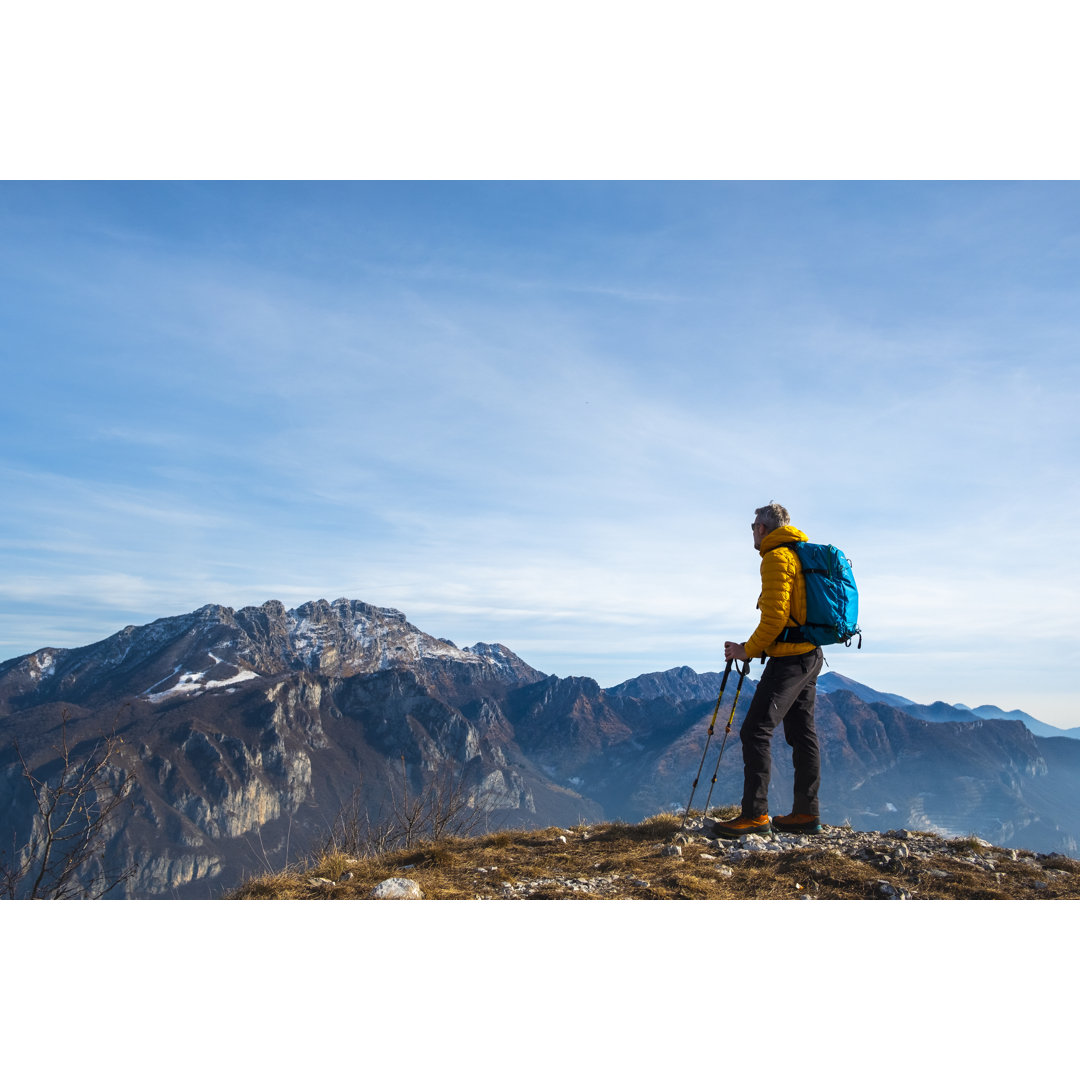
767 518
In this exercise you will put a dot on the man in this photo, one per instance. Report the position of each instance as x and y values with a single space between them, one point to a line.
787 688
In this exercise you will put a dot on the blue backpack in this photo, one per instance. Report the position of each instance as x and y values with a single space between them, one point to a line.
832 598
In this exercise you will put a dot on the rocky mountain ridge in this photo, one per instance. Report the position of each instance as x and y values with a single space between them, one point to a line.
215 648
248 732
940 711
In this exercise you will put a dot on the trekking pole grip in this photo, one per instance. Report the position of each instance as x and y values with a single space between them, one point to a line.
723 683
738 690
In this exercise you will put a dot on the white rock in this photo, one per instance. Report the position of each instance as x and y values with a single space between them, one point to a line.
397 888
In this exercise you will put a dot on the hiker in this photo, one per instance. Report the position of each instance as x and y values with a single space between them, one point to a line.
787 688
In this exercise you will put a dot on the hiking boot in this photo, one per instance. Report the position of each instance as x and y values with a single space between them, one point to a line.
742 826
797 823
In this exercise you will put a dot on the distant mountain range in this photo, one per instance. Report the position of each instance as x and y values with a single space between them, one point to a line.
939 712
248 731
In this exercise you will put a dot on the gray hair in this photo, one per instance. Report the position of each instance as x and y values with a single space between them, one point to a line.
772 516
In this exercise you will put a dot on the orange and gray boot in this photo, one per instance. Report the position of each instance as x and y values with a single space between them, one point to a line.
742 826
797 823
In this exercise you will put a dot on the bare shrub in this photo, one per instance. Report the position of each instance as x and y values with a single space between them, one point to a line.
63 857
444 805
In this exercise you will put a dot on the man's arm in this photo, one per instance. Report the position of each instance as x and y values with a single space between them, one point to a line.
777 588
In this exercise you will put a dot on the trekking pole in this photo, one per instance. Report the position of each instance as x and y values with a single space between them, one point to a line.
727 731
712 725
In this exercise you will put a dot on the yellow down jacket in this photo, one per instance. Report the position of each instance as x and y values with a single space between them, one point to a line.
783 596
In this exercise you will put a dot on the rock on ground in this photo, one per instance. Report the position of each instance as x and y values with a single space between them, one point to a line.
397 888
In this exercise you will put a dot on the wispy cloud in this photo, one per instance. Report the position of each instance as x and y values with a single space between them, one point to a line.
553 430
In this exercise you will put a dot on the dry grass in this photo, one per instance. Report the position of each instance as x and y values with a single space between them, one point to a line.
628 862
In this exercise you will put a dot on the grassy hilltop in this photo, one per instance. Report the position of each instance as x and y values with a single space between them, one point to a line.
656 860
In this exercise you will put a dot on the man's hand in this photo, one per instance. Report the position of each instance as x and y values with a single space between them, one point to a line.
734 651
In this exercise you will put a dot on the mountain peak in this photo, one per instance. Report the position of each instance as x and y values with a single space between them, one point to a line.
216 647
679 683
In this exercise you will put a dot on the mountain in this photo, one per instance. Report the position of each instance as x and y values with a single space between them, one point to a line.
678 684
830 681
1037 727
217 650
940 712
249 733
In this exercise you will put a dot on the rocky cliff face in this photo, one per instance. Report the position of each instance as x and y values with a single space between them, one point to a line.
247 731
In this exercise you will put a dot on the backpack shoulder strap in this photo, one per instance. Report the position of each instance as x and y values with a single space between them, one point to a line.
793 635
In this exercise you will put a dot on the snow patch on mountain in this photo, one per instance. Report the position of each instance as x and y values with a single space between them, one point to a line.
41 665
191 683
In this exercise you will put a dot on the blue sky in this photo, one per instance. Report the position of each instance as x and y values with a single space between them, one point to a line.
543 414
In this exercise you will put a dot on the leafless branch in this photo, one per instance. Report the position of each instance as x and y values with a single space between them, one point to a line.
445 805
63 857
